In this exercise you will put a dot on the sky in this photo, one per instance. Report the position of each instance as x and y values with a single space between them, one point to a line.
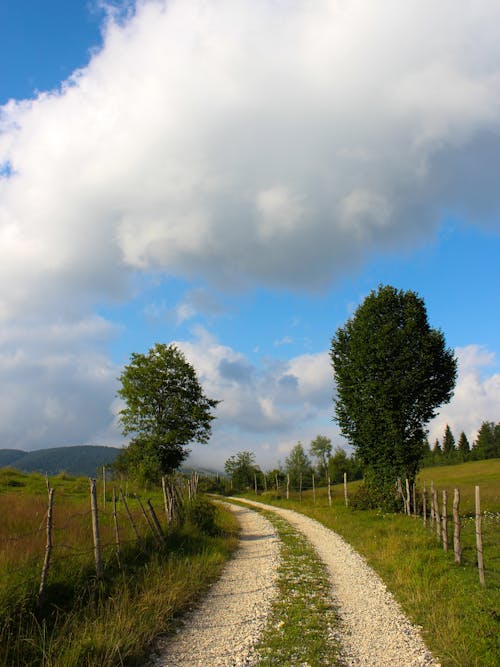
236 177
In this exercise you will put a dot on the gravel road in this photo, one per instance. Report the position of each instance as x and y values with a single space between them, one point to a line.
223 630
374 630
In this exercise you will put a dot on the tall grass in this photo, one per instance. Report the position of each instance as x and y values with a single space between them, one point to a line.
460 619
84 621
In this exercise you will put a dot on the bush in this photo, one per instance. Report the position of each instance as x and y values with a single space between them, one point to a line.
369 497
200 512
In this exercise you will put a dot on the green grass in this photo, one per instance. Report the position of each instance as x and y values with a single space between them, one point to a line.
83 621
460 618
466 476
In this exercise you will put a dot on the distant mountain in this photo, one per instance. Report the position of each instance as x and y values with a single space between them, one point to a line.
8 456
85 460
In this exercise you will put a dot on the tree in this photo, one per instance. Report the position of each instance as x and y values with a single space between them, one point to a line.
166 409
392 372
321 448
487 445
241 469
448 441
298 466
463 445
340 463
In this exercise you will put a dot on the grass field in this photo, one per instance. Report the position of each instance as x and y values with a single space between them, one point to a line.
84 621
460 619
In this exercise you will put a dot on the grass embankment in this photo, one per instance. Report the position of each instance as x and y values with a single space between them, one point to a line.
83 621
460 619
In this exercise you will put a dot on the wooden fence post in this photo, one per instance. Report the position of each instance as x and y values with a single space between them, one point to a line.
156 522
95 530
408 501
132 522
48 550
457 548
300 487
104 487
479 537
424 504
148 520
431 504
346 499
445 520
329 492
165 500
117 534
436 514
287 486
314 490
255 482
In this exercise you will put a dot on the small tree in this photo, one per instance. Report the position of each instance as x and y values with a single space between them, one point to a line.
487 445
392 371
298 466
166 409
463 446
241 469
448 442
321 448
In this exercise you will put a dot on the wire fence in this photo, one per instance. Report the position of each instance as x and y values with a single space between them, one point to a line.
90 539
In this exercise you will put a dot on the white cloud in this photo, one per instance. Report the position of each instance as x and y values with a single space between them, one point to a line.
476 398
246 142
57 387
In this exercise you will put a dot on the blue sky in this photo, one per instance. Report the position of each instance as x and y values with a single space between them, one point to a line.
237 177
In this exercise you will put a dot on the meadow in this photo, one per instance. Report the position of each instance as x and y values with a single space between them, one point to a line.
83 620
460 619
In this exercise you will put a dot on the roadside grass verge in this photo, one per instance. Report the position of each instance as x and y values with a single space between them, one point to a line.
460 619
85 622
302 626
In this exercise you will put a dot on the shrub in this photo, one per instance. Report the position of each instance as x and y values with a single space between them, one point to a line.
200 512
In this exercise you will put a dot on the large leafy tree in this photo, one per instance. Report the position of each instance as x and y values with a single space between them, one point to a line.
392 372
165 410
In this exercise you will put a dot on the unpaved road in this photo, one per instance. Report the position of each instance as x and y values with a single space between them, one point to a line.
224 629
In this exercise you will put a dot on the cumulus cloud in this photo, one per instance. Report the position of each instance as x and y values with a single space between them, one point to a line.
476 398
57 387
248 142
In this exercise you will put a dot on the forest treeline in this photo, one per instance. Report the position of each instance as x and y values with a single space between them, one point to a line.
321 461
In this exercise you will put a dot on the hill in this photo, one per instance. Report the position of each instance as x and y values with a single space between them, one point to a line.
85 460
8 456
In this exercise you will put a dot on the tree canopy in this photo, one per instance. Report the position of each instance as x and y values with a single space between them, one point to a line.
165 410
241 468
392 372
321 448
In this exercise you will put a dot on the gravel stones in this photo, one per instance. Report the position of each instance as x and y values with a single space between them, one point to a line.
223 630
